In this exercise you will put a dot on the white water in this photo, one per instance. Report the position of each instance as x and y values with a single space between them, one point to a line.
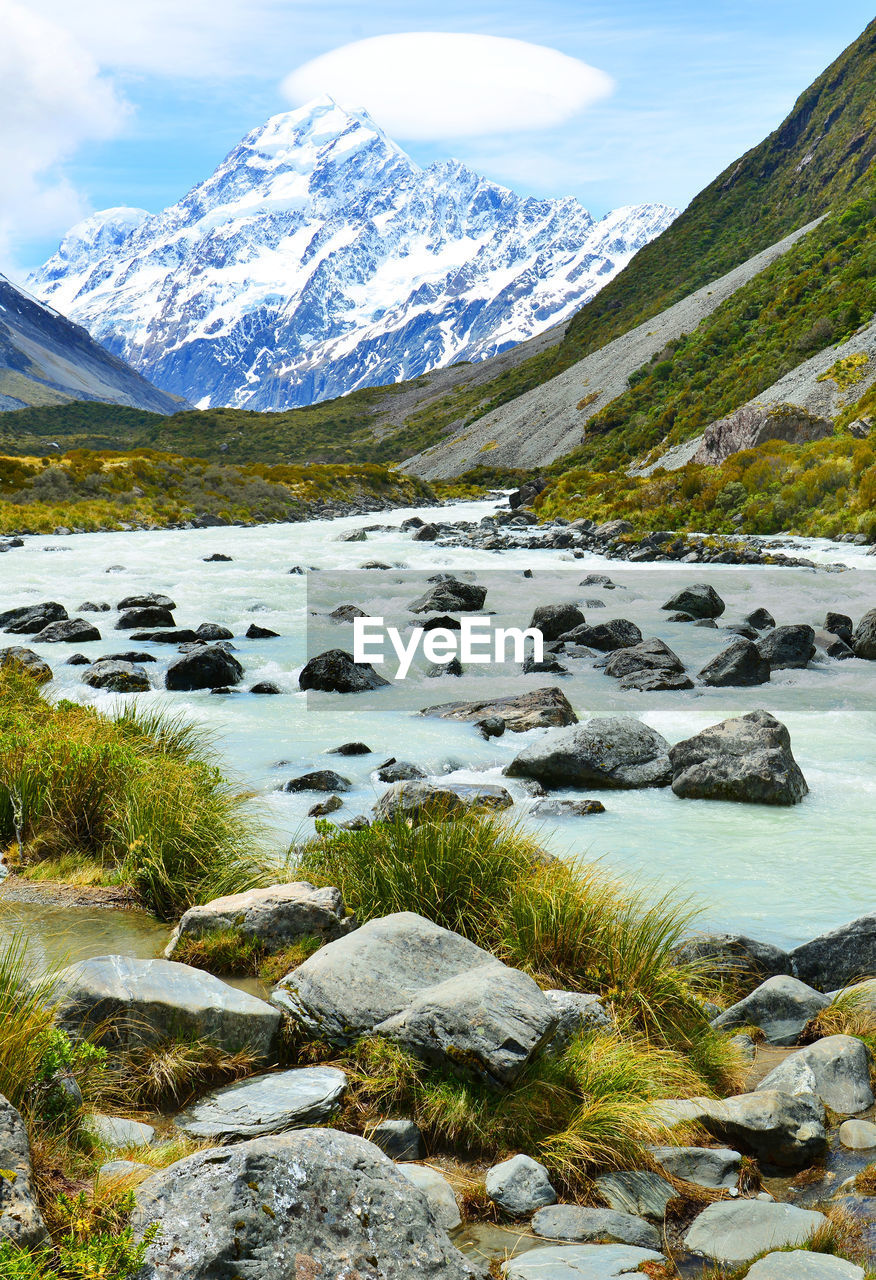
781 874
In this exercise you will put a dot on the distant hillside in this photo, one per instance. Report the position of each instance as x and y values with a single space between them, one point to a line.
47 360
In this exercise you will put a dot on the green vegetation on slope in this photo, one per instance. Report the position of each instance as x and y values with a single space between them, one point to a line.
89 490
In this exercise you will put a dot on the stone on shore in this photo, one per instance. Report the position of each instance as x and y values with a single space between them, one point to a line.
784 1131
290 1207
576 1011
265 1104
538 709
746 759
836 1069
781 1007
399 1139
579 1262
700 600
636 1191
716 1167
118 1131
277 917
520 1186
430 990
335 672
735 1230
131 1002
27 661
21 1222
438 1192
839 957
802 1264
735 955
577 1222
612 752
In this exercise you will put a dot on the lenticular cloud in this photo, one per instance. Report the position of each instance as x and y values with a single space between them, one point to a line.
425 85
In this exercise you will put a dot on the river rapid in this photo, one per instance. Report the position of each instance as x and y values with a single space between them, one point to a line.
780 874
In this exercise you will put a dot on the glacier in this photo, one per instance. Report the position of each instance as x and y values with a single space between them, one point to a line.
319 258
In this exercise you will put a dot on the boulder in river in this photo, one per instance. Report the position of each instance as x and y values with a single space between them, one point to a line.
741 663
146 600
552 620
839 957
209 666
400 771
617 633
213 631
784 1131
334 671
152 616
839 624
614 752
537 709
836 1069
292 1206
28 661
21 1222
788 647
31 618
781 1007
699 600
864 637
429 989
734 955
277 916
68 631
746 759
132 1002
255 632
116 677
318 780
648 655
417 800
449 595
760 619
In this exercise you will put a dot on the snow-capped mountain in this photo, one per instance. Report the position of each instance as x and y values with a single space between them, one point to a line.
319 258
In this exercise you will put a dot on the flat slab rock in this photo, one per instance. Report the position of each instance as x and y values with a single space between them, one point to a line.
800 1264
576 1222
706 1166
144 1001
539 709
579 1262
732 1231
117 1131
407 979
265 1104
310 1203
278 916
637 1191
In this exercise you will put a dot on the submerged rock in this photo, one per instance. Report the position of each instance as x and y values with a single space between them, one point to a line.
538 709
744 759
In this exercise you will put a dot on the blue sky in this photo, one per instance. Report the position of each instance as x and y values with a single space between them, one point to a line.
103 104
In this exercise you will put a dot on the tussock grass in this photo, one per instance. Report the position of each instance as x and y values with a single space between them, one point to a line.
138 797
229 951
850 1013
170 1073
25 1017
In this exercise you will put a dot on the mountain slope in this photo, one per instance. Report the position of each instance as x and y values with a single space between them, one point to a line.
46 360
319 258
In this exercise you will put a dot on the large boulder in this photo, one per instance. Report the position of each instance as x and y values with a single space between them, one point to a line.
579 1262
700 600
418 801
265 1104
617 633
744 759
579 1222
836 1069
67 631
131 1002
519 1185
428 989
152 616
735 955
782 1130
732 1231
552 620
741 663
788 647
277 917
311 1204
116 677
781 1007
335 672
208 666
29 619
20 1219
26 660
863 637
614 752
450 595
538 709
839 957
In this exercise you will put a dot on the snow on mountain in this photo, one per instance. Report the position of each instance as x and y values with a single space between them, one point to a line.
319 258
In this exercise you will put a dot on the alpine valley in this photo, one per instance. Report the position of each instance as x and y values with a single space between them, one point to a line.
319 258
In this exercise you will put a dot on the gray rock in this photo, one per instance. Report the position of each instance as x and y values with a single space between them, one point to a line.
781 1007
741 663
746 759
858 1135
520 1185
146 600
438 1192
761 619
801 1264
28 619
425 987
784 1131
835 959
399 1139
579 1262
289 1207
613 752
538 709
152 616
26 660
553 620
135 1002
706 1166
116 677
400 771
836 1069
785 647
617 633
209 666
654 681
265 1104
832 646
323 808
839 624
649 655
278 916
334 671
450 595
575 1222
575 1011
734 1230
20 1219
68 631
863 637
117 1131
560 808
318 780
418 800
735 954
637 1191
700 600
213 631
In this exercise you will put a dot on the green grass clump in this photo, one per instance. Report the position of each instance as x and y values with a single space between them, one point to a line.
569 926
242 955
138 796
92 1240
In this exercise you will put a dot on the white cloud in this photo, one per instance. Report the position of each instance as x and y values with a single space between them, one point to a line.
52 99
429 85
